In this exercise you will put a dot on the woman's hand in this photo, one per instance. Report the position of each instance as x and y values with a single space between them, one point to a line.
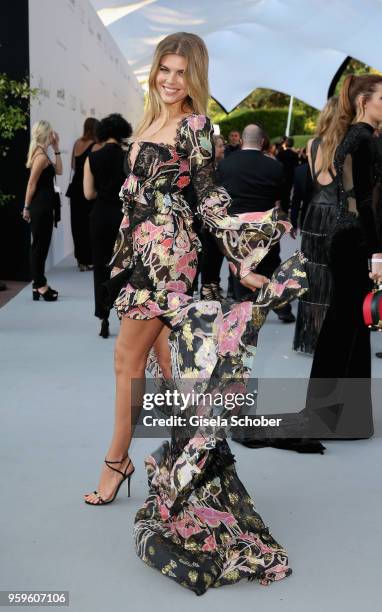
26 215
376 268
55 141
254 281
115 271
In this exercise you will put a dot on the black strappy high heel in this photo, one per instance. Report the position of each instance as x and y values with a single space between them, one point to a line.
50 295
125 476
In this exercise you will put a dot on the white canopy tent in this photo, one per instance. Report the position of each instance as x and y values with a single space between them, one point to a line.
292 46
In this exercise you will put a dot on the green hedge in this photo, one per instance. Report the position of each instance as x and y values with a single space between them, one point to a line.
273 120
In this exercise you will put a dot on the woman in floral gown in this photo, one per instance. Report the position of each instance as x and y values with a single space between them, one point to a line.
198 525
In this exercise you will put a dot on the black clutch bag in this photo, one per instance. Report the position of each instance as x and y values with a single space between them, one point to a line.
56 204
70 191
57 208
109 290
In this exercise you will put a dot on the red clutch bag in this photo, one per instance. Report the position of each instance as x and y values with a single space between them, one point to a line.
372 308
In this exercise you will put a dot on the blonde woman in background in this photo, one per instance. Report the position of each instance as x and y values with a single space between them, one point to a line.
39 204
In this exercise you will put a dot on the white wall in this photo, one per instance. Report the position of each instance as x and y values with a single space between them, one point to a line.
81 72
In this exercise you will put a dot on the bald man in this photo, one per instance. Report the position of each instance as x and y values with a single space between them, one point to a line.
255 183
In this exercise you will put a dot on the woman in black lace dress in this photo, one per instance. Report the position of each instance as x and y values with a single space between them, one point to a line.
319 220
338 403
342 355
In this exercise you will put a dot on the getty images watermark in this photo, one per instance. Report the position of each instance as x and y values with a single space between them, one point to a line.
257 408
200 410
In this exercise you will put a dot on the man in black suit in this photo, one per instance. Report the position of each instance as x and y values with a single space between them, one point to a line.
290 161
255 183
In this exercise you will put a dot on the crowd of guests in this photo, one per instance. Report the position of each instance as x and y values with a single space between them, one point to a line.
256 173
331 190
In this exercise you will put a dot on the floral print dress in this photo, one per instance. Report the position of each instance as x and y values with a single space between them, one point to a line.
198 525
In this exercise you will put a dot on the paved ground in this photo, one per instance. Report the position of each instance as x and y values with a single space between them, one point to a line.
57 406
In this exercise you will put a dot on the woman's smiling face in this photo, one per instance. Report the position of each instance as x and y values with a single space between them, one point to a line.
171 80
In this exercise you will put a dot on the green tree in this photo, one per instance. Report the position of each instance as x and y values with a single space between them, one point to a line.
14 114
355 67
260 99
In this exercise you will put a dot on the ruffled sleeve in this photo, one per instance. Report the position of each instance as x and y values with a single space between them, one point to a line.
244 239
123 247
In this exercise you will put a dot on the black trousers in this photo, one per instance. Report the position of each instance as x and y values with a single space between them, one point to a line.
80 210
211 259
266 267
41 214
104 226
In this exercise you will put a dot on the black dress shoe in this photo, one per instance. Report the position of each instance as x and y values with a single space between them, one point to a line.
288 317
299 445
104 331
49 295
379 355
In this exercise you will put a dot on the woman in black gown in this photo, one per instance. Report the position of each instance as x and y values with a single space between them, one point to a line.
103 177
40 209
341 370
318 222
80 207
338 403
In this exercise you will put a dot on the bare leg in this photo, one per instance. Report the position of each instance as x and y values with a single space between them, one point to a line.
162 352
133 344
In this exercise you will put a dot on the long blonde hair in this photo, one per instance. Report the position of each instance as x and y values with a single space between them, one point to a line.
40 136
195 51
326 116
349 110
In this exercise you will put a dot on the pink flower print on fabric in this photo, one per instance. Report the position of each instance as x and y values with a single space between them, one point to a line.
148 232
176 300
176 286
279 288
184 166
164 511
183 265
255 217
196 122
251 537
209 543
274 573
153 308
182 241
185 527
125 222
232 328
183 181
213 518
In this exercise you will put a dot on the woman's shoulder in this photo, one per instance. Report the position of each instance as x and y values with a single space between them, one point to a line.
358 134
40 161
103 152
194 125
196 120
